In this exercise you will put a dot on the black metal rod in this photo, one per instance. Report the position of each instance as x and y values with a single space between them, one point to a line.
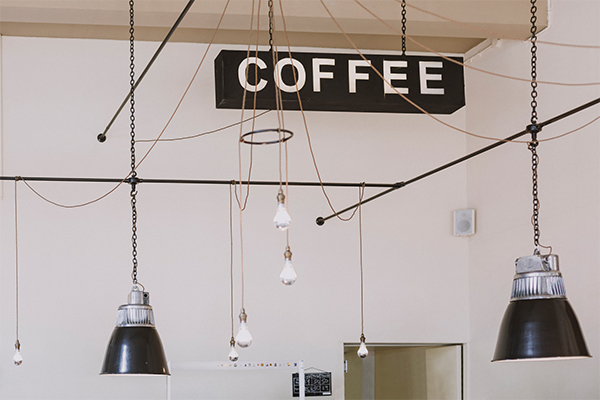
189 181
102 136
321 220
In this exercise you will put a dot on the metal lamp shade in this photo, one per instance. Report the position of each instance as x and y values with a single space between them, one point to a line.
540 328
539 322
135 347
135 350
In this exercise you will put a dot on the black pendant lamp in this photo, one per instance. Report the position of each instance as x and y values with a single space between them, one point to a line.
539 323
135 347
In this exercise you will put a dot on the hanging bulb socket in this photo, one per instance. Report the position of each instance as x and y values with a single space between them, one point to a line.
18 358
243 337
288 275
362 349
282 219
233 354
280 197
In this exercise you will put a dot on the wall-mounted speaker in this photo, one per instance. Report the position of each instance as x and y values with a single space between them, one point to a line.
464 222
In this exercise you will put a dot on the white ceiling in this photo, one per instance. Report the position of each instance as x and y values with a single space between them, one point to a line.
307 21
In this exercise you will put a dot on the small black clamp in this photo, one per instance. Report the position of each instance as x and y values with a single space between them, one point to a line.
533 129
399 185
133 180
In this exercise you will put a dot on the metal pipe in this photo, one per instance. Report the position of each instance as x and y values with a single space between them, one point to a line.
321 220
102 136
188 181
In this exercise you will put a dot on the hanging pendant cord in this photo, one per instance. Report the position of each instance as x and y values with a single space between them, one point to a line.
133 179
231 254
17 343
361 192
403 27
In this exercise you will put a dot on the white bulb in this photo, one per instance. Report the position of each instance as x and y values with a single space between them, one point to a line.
233 355
243 337
282 218
362 350
288 274
18 358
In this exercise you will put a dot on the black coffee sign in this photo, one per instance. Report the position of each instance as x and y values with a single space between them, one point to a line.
340 82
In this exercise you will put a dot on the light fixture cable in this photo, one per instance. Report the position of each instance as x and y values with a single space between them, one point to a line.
362 350
421 109
233 354
17 359
449 59
253 118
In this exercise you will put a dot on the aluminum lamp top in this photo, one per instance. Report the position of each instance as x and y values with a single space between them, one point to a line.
537 277
135 347
137 311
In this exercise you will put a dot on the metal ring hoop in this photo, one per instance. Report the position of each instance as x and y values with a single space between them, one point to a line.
287 135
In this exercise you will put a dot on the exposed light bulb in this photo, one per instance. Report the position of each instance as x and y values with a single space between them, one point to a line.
18 358
362 350
282 218
233 355
288 274
243 337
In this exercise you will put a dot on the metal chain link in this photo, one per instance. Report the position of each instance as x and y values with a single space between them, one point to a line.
534 129
534 84
536 203
403 27
133 179
271 25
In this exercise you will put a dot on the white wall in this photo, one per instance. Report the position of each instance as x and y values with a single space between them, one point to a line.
499 187
75 263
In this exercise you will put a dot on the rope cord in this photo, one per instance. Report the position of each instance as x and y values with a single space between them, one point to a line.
16 266
497 34
427 113
429 49
242 208
231 254
312 154
155 141
239 144
207 132
361 192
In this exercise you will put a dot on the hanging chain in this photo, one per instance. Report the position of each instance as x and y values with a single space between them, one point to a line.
534 84
133 179
271 25
536 202
403 27
534 129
